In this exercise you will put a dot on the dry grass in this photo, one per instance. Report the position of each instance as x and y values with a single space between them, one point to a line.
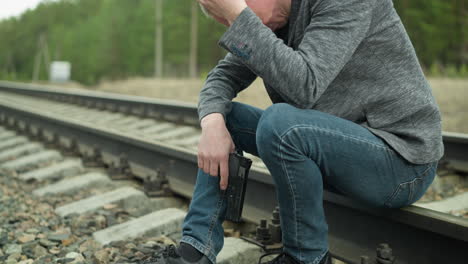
451 95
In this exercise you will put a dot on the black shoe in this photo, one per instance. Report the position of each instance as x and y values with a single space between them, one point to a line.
170 256
284 258
326 259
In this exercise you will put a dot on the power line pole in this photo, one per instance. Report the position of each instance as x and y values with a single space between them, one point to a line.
193 41
158 43
42 54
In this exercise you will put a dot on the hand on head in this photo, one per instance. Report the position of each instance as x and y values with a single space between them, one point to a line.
273 13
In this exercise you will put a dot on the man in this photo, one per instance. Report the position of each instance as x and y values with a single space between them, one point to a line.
352 112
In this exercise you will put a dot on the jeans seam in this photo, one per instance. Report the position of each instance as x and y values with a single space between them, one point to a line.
319 258
419 178
431 165
243 130
411 194
411 186
335 133
290 183
339 134
212 223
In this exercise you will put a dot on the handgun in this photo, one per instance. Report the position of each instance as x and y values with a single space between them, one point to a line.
237 183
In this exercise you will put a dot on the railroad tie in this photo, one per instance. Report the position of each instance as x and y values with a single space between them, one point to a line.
141 124
55 171
186 142
6 135
156 129
127 195
74 184
163 222
454 203
175 133
19 151
12 142
31 161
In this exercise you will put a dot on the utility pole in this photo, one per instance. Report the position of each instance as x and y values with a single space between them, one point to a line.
9 66
158 42
42 54
193 41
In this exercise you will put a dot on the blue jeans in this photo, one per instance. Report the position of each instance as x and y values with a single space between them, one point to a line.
305 150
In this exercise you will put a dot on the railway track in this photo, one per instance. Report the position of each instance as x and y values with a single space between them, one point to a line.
56 144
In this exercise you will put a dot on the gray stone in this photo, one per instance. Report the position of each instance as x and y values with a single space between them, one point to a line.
16 256
98 201
163 222
13 248
11 261
32 231
101 257
39 251
3 236
73 255
25 238
57 170
64 260
77 258
58 237
236 251
47 243
26 261
74 184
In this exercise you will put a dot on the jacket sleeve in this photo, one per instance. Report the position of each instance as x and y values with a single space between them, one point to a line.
301 76
223 84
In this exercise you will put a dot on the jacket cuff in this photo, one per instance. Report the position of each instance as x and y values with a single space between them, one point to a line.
221 108
240 33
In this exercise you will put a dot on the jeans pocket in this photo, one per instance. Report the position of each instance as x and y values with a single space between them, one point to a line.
410 191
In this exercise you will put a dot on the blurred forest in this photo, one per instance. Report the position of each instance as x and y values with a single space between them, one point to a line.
115 39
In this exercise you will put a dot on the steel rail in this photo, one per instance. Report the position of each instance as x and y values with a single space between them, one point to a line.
170 110
416 235
175 111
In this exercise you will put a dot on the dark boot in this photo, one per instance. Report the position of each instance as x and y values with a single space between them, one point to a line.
284 258
170 256
326 259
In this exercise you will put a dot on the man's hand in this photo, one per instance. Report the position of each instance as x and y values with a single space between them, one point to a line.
225 11
214 148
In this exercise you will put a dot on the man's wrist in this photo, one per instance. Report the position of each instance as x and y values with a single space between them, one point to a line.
210 119
236 13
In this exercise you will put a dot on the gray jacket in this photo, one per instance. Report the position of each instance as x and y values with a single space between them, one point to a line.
349 58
